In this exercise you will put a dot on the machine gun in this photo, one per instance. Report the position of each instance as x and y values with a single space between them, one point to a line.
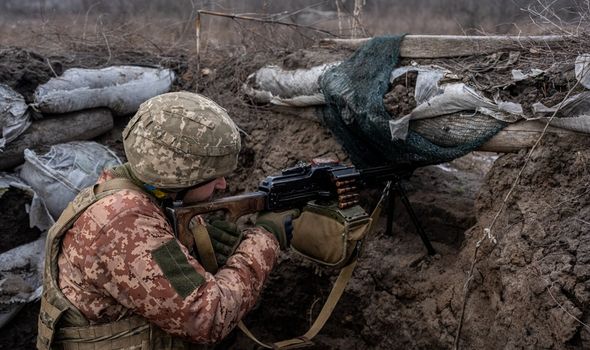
294 187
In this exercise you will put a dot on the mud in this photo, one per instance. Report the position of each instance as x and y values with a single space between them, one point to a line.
400 101
381 308
24 70
524 291
536 278
21 331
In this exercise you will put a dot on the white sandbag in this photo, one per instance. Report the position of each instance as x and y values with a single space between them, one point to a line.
73 126
120 88
21 269
296 88
67 168
14 115
21 277
38 214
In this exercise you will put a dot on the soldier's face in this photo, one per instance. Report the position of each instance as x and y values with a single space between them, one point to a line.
205 192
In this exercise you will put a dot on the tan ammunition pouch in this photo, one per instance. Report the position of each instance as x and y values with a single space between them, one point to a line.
61 325
328 235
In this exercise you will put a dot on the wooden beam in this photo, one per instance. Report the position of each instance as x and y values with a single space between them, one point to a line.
439 46
521 135
82 125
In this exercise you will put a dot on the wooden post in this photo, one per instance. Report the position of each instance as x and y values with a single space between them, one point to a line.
438 46
522 134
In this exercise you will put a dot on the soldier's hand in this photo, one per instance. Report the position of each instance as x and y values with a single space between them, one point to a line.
279 224
225 238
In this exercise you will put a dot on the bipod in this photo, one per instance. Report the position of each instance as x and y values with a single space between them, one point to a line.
395 187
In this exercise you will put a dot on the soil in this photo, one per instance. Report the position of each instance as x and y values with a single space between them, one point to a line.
529 290
14 218
399 101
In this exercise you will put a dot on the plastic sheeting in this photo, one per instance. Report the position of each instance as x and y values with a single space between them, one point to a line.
299 88
572 114
67 168
519 74
14 115
120 88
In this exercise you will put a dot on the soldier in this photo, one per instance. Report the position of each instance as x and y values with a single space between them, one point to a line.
116 276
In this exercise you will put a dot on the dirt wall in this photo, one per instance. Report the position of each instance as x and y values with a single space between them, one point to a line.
530 290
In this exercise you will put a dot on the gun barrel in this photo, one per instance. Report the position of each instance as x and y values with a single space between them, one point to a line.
380 174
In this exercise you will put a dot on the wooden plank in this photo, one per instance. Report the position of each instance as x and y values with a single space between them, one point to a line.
82 125
440 46
521 135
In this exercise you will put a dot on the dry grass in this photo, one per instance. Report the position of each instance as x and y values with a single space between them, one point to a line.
162 25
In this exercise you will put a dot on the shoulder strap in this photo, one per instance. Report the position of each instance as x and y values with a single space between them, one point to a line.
329 305
203 245
117 184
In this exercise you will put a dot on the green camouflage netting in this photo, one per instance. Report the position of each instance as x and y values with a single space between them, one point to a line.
356 114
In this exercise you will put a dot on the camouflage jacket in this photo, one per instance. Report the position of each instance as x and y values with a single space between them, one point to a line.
111 265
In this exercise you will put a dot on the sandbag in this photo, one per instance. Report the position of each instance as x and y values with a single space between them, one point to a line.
120 88
21 277
74 126
14 115
60 174
296 88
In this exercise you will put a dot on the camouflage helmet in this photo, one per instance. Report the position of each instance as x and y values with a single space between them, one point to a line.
179 140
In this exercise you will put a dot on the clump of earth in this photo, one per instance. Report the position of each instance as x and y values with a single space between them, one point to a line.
530 289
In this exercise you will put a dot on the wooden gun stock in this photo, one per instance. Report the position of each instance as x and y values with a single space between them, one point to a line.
234 207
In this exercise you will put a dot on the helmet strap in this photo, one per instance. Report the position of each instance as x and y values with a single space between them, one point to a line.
180 195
